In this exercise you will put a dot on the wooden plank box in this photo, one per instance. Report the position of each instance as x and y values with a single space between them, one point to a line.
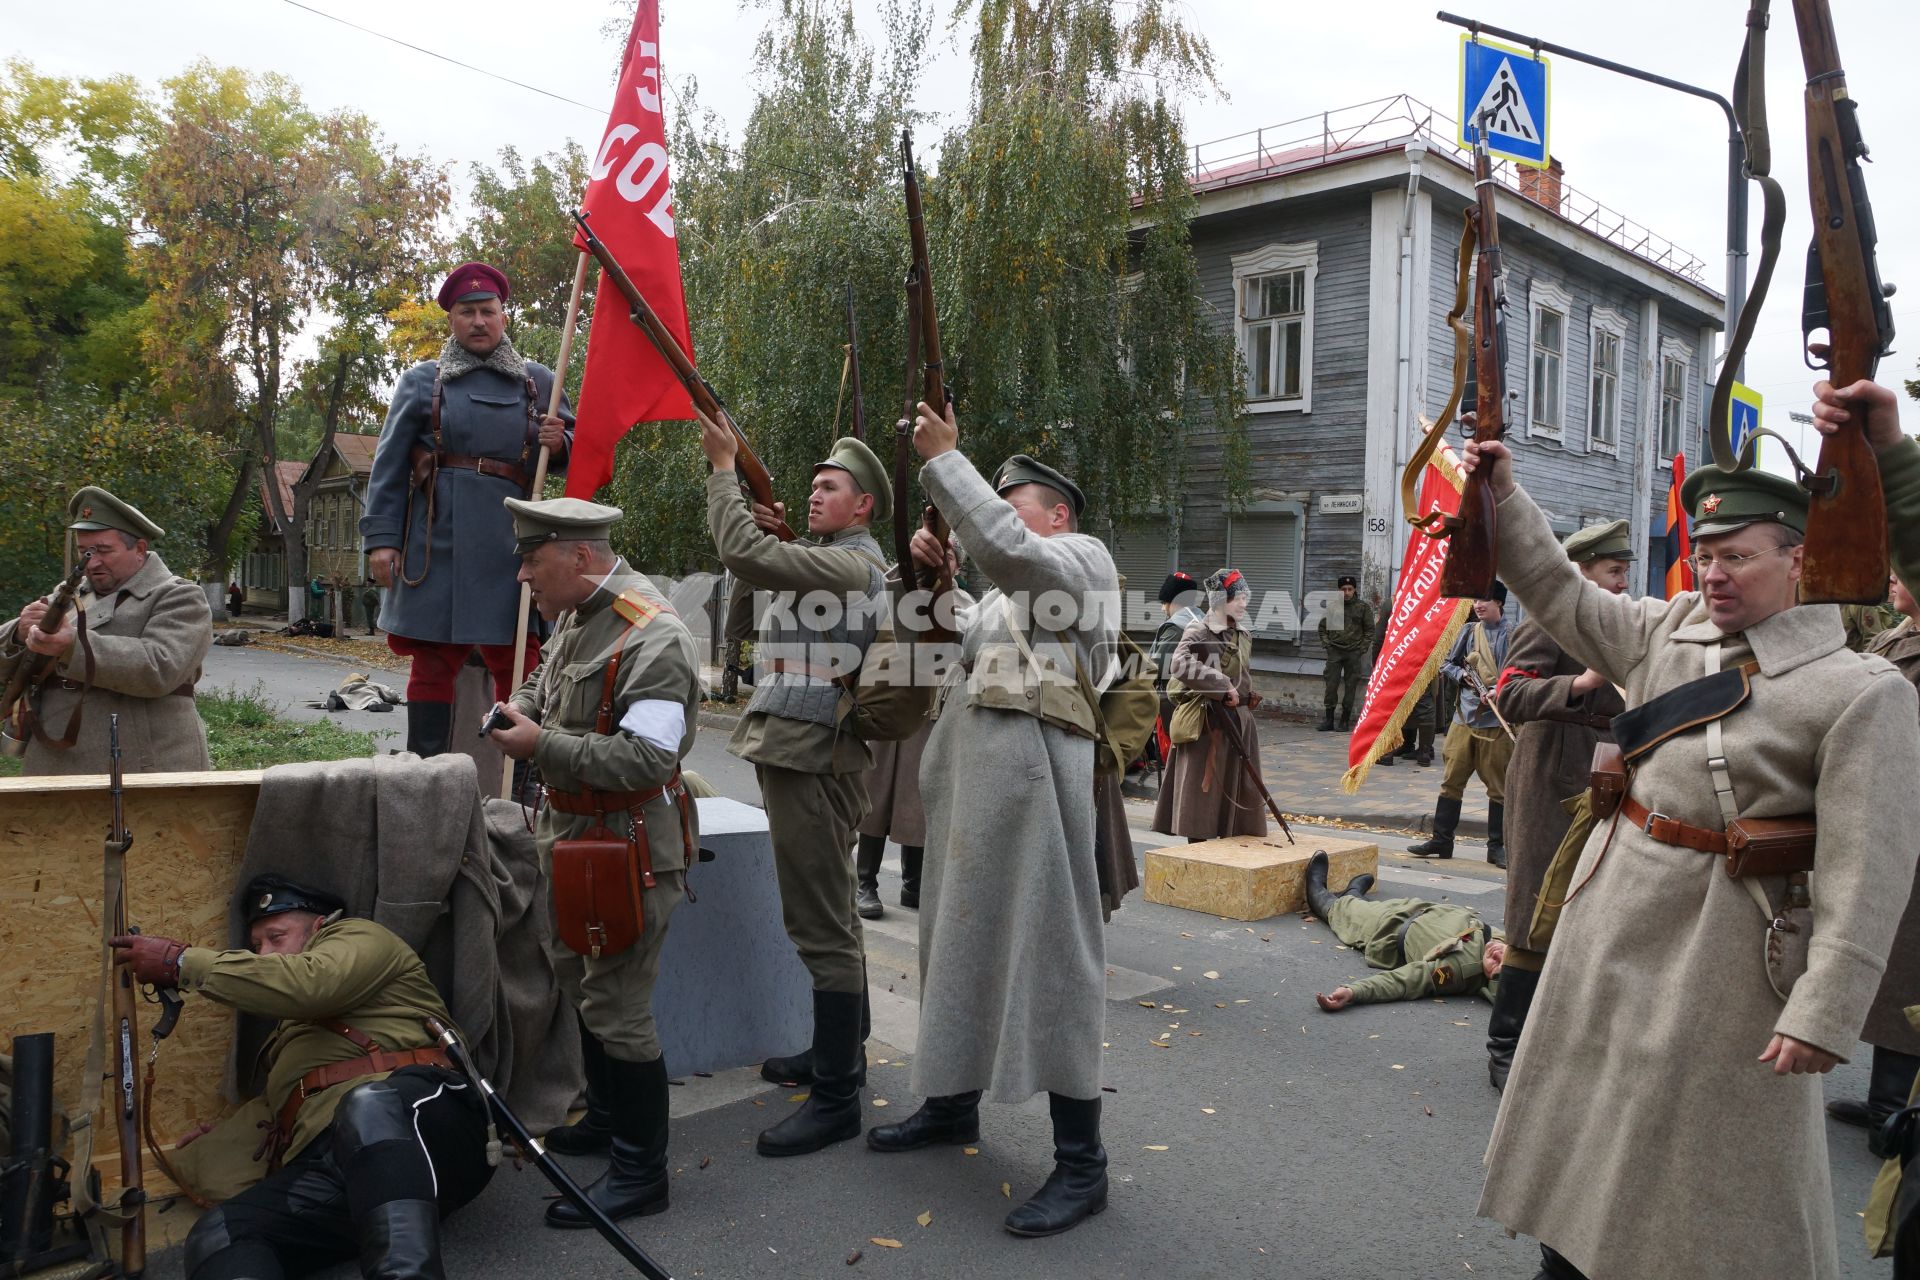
1248 878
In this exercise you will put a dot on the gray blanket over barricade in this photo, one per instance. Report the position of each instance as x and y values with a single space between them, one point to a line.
410 844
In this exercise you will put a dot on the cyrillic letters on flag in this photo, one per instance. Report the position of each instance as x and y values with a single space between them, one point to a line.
1421 627
629 201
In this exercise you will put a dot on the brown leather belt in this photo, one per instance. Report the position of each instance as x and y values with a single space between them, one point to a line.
1671 830
499 468
592 803
377 1062
74 686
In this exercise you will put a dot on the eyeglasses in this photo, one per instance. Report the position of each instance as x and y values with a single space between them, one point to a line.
1703 564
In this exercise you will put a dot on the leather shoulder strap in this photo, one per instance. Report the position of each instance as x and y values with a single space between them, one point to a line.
361 1040
603 723
433 414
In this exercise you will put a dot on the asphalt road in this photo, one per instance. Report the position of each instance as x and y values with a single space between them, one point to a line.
1296 1144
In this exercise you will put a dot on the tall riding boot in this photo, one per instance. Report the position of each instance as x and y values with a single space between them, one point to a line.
1497 834
400 1240
953 1120
1555 1267
1077 1188
429 727
797 1068
636 1178
1446 817
1423 754
1888 1086
1319 898
592 1133
1326 720
831 1112
1512 997
866 866
910 858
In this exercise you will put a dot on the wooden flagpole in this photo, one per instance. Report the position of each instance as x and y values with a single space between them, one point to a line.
539 486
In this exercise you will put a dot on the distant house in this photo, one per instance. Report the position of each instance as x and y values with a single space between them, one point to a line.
334 554
262 572
1331 248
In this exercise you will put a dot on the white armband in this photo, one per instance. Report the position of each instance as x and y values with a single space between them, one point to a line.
658 721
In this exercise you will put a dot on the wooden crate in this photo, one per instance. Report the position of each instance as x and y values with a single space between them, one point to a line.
1247 878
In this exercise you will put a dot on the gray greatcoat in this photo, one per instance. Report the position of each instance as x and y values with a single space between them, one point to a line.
1638 1134
469 595
1012 958
1556 730
1887 1023
148 639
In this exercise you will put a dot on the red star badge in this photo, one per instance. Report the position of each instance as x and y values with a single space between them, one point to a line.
86 513
1709 504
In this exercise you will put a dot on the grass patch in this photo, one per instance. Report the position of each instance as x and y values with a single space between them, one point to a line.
246 731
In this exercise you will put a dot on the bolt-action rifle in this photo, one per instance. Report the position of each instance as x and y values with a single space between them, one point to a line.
28 668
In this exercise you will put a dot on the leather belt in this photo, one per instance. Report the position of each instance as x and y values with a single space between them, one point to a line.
1581 718
1671 830
592 804
74 686
315 1081
826 675
499 468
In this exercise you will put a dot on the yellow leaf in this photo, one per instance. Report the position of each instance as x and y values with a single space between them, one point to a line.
1398 1067
879 1102
1211 973
798 1097
1146 1004
972 1151
1206 1111
1154 1147
884 1243
925 1219
1006 1189
1219 1004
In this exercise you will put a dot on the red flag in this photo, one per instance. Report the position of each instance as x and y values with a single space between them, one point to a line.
1421 628
630 202
1679 568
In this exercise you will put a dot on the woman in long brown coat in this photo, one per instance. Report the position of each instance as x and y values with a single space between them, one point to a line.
1206 792
1895 1041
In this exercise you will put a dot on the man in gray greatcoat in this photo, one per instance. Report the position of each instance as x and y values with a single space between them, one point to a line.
463 432
1012 957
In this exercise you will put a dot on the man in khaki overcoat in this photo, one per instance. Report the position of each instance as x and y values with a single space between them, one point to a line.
1654 1127
146 633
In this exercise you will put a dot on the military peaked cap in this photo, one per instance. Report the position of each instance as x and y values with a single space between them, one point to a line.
1599 542
470 282
557 520
1723 501
271 895
853 457
93 508
1021 469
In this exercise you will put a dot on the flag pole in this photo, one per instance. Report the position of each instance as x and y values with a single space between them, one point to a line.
539 485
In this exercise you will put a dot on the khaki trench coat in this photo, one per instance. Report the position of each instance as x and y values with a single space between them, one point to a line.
1638 1135
893 790
1887 1023
148 639
1205 791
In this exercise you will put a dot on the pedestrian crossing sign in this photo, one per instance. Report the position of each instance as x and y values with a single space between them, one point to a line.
1508 86
1745 412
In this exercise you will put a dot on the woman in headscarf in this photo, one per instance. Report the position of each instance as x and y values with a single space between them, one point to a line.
1207 792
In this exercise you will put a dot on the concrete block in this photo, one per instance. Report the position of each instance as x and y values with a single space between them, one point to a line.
1247 878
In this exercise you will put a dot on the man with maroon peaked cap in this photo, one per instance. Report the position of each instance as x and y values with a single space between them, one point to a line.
463 433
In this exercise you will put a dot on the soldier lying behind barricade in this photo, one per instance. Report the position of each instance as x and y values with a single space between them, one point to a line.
1427 948
357 1097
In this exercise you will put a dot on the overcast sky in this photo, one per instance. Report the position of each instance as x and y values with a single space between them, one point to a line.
1654 155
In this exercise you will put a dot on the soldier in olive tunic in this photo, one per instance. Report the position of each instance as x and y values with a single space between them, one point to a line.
607 613
435 534
1426 948
146 633
1346 646
373 1136
810 766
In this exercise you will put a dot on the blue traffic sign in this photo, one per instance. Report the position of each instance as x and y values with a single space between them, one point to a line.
1745 411
1507 86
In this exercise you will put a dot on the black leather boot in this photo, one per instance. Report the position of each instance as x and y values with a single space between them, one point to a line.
1888 1086
400 1240
952 1120
1423 754
1319 899
429 727
1358 886
831 1112
636 1178
1555 1267
1497 834
797 1068
1512 997
1326 722
910 858
1077 1188
592 1133
1388 760
1446 817
866 868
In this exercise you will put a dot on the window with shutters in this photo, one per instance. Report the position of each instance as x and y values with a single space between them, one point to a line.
1144 553
1675 365
1273 324
1264 544
1549 307
1608 344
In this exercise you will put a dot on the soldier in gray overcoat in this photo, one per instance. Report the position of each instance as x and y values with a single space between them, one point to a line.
463 433
1012 957
1673 1128
147 632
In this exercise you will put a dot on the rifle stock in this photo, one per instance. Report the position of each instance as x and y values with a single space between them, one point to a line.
1846 541
30 668
1472 556
754 477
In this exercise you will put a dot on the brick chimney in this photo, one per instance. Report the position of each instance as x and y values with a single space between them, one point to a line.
1542 186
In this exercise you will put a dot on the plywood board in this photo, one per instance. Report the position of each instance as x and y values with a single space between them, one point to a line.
1246 878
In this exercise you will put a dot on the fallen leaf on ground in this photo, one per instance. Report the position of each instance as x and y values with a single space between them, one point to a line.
1146 1004
1398 1067
1243 1002
798 1097
972 1151
884 1243
879 1102
1154 1147
1195 1033
1211 973
1176 968
1206 1111
1006 1190
925 1219
705 1161
1186 935
1219 1004
1428 1110
853 1257
1160 1044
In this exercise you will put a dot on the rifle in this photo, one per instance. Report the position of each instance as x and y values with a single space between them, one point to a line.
126 1008
753 473
859 421
1229 729
1473 558
924 322
1491 703
30 668
1846 544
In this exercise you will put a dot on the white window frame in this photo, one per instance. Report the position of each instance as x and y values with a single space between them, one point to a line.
1614 325
1544 295
1269 260
1671 349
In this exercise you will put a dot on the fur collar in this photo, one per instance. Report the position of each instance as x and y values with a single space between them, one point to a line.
457 362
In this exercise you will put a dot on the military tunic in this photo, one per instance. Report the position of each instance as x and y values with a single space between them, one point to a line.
149 638
1346 663
659 665
811 770
1475 741
1427 948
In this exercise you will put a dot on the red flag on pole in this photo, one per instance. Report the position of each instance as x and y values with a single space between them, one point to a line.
1679 568
1420 629
630 201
